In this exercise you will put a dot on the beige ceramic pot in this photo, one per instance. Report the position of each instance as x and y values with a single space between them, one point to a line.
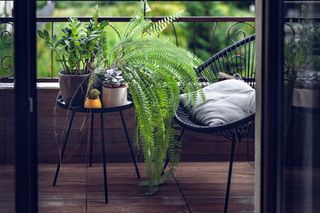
113 97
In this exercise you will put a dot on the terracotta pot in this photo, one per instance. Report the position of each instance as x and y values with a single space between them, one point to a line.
113 97
73 88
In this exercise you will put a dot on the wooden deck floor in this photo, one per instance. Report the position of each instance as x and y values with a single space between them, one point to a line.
80 189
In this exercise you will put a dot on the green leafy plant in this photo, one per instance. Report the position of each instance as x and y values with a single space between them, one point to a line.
78 45
302 45
302 53
301 60
156 71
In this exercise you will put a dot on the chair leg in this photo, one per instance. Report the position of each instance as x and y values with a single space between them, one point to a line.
104 159
168 158
226 200
91 138
130 146
63 149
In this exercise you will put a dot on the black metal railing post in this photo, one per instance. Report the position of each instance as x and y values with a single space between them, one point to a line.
51 56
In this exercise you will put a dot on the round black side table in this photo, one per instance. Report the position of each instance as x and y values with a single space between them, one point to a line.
81 109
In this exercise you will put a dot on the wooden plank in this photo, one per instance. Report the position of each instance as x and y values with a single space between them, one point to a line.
196 147
202 184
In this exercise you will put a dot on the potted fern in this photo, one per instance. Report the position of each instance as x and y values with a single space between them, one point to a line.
114 92
75 50
155 71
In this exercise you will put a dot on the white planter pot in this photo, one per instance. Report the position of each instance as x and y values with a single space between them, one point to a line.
113 97
306 98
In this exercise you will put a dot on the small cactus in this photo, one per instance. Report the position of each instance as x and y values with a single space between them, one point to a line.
94 94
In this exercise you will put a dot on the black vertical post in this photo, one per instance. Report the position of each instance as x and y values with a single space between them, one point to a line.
91 138
25 106
104 161
271 104
144 8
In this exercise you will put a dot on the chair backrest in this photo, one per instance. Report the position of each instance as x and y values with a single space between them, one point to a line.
239 58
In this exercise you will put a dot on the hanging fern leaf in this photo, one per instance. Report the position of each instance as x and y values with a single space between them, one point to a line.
156 71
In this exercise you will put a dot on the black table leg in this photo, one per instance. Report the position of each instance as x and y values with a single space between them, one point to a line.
226 199
104 159
63 149
130 146
91 138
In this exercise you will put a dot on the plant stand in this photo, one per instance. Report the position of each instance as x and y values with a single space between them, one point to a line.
63 105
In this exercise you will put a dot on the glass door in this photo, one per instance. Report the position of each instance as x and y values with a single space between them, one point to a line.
288 124
18 168
7 113
301 100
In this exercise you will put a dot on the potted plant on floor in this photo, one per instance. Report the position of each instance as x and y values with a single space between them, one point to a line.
302 64
302 83
155 71
75 50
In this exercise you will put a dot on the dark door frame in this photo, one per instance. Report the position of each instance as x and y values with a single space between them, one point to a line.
25 106
26 102
271 117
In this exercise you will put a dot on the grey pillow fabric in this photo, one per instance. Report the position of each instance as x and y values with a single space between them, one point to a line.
225 102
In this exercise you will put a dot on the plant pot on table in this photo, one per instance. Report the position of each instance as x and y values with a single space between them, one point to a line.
113 97
73 88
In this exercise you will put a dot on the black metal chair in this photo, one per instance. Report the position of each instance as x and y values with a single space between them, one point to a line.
237 60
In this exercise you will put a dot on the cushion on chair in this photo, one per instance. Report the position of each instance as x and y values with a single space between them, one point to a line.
225 102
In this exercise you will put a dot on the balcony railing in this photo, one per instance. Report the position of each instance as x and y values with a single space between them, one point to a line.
237 28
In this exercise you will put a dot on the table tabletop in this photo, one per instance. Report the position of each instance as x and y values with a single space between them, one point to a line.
61 103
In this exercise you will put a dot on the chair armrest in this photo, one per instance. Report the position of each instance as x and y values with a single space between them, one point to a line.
226 76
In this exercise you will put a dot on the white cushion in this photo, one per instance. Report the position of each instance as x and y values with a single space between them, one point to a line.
225 102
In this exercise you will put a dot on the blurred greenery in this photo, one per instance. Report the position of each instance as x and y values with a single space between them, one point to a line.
210 38
40 4
6 50
204 39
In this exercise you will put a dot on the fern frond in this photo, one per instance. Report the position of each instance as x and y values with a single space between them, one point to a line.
158 27
156 71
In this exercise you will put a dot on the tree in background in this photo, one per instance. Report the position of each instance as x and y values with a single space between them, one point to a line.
208 38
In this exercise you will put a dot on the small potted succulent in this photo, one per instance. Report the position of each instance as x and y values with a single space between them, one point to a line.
114 91
93 100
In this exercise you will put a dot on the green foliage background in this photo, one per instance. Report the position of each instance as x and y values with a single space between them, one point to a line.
206 40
